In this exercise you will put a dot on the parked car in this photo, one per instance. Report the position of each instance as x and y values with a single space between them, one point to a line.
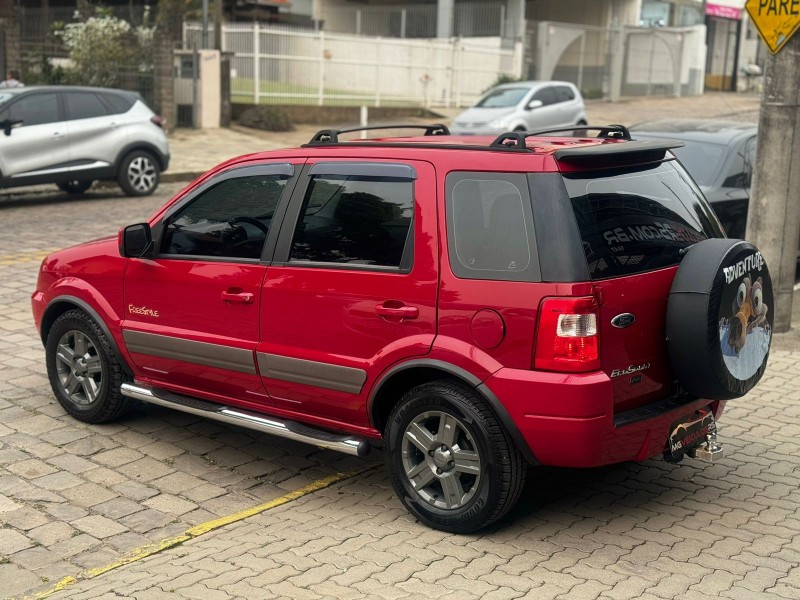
72 136
719 155
523 106
473 305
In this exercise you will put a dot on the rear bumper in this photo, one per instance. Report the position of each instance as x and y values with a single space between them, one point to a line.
568 420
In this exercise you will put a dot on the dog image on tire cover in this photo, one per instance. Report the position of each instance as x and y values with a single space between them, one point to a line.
745 332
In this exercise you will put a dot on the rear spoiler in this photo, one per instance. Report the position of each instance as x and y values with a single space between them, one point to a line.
630 152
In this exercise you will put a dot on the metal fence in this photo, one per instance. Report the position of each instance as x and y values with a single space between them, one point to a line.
45 60
278 65
620 61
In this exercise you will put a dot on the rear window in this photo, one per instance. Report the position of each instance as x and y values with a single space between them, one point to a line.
638 220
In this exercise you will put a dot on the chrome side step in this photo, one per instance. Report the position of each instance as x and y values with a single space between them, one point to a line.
285 429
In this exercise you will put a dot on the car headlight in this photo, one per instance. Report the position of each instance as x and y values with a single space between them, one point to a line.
498 124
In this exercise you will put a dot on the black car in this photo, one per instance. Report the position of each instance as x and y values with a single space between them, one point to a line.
719 155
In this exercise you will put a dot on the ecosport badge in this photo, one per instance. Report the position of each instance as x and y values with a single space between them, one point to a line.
629 370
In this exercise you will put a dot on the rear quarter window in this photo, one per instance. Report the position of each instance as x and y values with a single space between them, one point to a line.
117 103
490 227
638 220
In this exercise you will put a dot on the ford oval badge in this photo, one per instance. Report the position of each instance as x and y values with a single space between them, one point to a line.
622 321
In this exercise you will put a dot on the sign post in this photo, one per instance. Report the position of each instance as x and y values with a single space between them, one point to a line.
773 220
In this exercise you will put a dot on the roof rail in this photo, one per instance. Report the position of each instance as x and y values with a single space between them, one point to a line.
517 138
331 136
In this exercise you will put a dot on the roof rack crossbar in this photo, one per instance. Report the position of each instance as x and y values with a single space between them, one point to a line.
331 136
517 138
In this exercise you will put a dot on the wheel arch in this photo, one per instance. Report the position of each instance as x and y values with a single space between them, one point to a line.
58 306
402 377
144 147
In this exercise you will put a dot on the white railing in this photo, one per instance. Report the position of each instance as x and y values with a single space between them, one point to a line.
277 65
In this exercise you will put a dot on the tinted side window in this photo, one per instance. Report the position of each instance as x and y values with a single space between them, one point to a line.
357 220
118 104
546 95
35 109
564 93
229 220
84 106
490 227
638 220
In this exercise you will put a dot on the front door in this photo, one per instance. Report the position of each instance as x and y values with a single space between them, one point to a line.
352 289
191 313
38 146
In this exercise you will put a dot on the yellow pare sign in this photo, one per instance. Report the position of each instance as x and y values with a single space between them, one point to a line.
776 20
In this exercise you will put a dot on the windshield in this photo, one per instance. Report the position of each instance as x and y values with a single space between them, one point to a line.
503 98
5 97
639 219
703 160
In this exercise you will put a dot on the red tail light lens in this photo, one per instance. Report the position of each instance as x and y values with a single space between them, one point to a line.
567 336
156 120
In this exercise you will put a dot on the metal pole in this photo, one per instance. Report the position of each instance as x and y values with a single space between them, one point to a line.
256 62
205 24
773 219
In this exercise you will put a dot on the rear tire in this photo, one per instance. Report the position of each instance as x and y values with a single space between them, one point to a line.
76 186
84 372
138 174
452 463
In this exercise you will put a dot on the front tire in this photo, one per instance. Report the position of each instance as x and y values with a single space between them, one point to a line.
138 174
84 372
452 463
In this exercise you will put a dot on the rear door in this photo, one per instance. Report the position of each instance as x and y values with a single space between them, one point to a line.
633 224
352 289
95 134
39 146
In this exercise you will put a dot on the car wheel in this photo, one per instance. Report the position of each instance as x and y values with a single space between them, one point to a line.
76 186
84 372
452 463
138 174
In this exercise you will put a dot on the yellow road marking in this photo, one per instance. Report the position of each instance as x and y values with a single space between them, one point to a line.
24 257
198 530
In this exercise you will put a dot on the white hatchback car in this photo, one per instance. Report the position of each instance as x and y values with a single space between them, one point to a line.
72 136
523 106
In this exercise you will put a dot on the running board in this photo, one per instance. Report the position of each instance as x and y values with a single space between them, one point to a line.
286 429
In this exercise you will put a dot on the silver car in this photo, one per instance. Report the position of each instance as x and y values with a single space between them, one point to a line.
72 136
523 106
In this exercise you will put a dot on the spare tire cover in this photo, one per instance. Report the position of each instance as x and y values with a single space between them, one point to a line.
719 319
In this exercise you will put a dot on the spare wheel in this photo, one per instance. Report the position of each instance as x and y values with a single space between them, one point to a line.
719 319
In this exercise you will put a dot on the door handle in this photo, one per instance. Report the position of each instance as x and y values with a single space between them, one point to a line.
387 310
57 135
237 297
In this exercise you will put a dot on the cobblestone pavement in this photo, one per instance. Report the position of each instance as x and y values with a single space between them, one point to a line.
75 497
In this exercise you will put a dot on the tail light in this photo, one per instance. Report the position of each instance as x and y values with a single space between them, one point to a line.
156 120
567 337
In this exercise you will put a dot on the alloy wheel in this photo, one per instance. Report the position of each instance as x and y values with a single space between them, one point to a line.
441 460
79 368
142 174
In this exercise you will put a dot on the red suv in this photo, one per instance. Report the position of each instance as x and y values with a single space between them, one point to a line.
473 305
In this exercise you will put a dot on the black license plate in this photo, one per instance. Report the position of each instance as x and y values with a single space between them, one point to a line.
689 432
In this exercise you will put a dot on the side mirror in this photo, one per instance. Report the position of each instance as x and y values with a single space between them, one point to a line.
9 124
534 104
137 241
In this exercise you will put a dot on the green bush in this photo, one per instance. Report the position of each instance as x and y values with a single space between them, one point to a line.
269 118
